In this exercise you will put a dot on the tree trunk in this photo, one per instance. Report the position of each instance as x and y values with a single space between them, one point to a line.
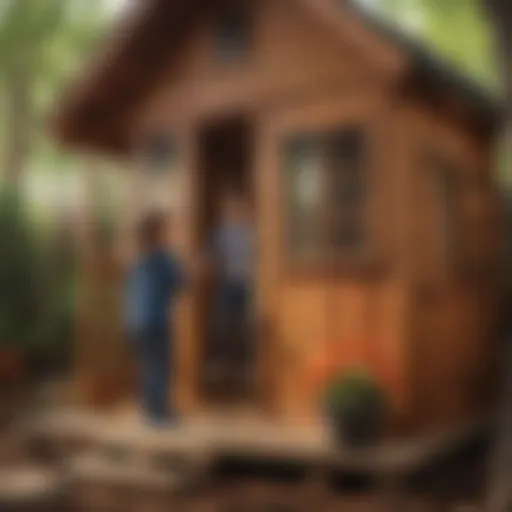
18 119
499 492
500 14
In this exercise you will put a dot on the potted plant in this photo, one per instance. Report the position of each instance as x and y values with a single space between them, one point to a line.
355 407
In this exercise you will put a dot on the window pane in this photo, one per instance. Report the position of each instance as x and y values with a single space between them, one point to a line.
159 164
347 190
304 186
326 195
159 153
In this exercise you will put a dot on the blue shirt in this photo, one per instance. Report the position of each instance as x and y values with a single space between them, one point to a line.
152 284
233 252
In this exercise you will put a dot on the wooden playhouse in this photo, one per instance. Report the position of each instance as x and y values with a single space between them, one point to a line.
369 164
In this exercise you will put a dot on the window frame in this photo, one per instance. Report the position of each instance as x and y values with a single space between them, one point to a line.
160 187
351 260
152 167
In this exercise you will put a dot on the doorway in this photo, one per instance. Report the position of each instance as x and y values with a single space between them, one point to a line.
227 363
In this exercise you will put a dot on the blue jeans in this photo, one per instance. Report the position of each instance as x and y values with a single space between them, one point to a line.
231 313
155 370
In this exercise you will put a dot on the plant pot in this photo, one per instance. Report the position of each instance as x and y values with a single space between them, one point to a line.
356 428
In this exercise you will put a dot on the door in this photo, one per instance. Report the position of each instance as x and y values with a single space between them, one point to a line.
227 343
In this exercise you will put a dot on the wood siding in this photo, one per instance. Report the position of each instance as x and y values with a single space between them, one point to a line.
356 313
300 77
454 337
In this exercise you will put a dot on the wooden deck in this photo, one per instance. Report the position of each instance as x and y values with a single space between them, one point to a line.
109 459
211 437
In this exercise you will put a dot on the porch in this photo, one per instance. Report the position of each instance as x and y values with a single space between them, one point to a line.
239 435
113 461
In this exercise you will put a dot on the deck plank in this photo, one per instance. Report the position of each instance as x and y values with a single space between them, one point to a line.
212 436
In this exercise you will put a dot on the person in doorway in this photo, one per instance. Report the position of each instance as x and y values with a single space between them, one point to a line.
232 261
153 284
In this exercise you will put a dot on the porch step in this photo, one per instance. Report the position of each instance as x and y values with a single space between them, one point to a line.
102 484
179 450
32 489
93 468
195 448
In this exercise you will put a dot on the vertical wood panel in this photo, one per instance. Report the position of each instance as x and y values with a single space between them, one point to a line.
186 341
454 337
266 183
303 331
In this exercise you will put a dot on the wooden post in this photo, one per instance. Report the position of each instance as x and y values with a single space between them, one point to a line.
101 371
85 246
126 250
186 352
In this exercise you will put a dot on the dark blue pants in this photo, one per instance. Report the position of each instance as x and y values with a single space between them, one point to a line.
155 373
231 313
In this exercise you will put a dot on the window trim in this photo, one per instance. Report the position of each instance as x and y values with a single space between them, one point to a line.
160 188
355 262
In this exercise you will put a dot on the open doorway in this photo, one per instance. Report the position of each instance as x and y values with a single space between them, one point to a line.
227 364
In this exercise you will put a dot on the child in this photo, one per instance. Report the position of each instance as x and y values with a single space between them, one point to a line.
154 282
232 259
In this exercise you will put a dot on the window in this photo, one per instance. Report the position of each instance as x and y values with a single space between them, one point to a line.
233 33
347 189
326 196
160 170
305 198
159 152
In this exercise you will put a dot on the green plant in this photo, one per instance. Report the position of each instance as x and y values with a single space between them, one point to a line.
20 272
36 285
353 393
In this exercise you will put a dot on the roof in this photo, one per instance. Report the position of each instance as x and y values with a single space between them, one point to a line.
427 65
95 110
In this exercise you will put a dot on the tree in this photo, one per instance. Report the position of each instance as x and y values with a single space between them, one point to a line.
456 29
500 14
25 27
39 42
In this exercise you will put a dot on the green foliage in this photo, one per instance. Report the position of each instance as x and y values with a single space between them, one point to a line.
349 393
41 44
24 26
20 290
57 311
456 29
36 284
48 28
